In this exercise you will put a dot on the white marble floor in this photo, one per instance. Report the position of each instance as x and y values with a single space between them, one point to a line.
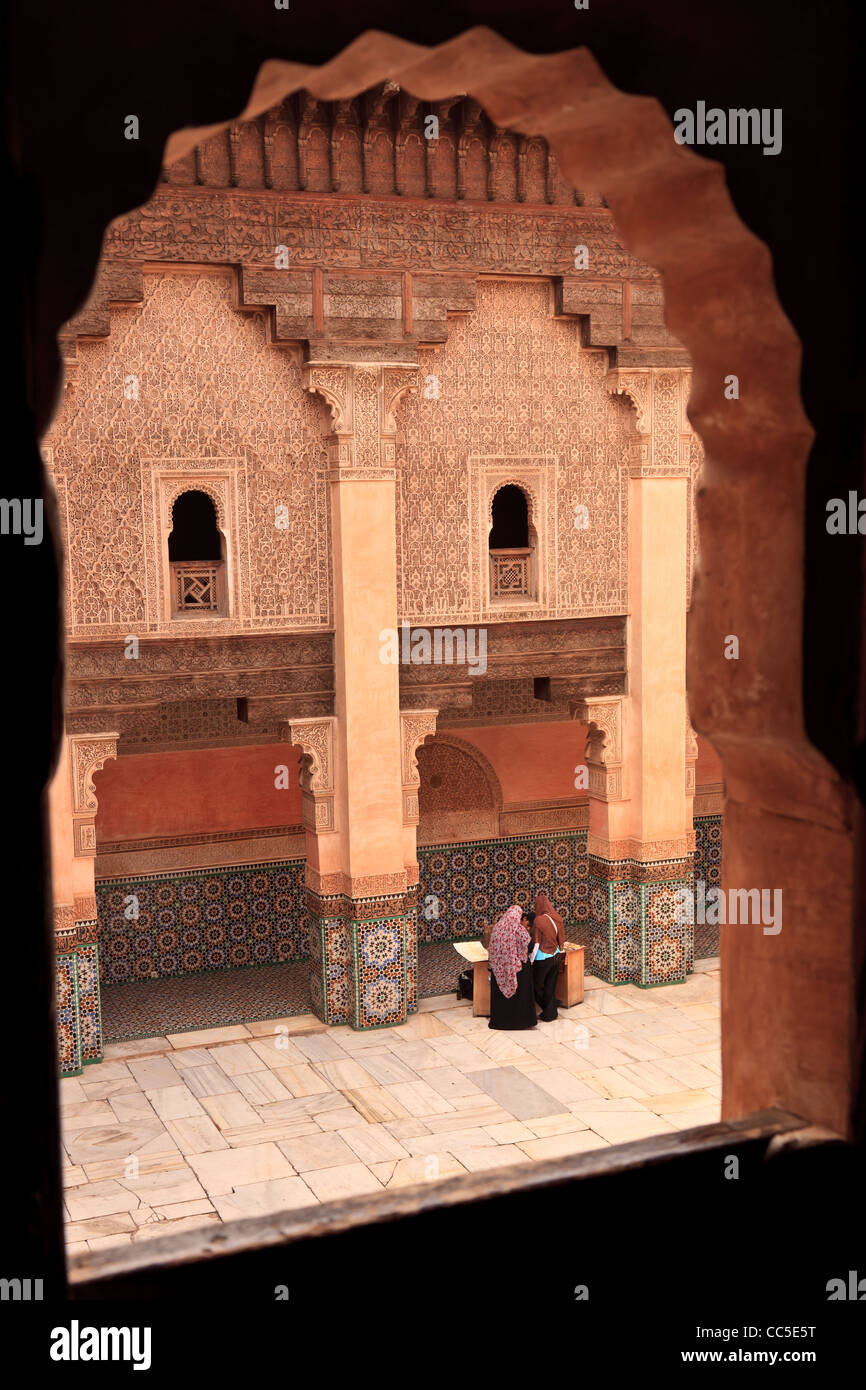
197 1128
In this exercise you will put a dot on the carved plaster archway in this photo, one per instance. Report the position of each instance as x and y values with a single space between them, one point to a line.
528 492
722 305
473 821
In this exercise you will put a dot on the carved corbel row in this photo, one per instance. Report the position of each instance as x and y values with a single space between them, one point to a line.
472 133
315 738
88 754
416 726
442 111
313 119
379 125
604 742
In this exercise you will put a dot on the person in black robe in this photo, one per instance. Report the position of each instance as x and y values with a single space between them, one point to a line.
512 997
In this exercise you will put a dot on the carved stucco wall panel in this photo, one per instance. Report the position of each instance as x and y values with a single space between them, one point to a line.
231 412
514 388
518 400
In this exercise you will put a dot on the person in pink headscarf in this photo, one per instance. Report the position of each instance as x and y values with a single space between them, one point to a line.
512 998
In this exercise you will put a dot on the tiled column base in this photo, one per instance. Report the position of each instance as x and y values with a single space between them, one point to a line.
66 1000
636 932
412 951
364 966
79 1015
708 869
89 1007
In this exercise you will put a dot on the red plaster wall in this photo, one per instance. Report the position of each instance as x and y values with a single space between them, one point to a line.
709 764
536 762
152 795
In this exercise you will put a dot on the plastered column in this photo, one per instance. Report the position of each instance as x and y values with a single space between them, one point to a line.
640 748
360 889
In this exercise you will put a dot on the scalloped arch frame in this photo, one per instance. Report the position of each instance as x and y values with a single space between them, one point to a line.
789 816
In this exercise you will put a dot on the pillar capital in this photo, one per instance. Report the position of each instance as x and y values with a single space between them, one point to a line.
88 754
604 745
662 443
415 726
691 757
363 398
315 738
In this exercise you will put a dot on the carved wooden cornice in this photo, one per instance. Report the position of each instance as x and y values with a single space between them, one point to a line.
442 246
581 656
100 677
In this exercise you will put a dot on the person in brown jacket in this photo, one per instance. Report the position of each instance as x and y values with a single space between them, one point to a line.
548 944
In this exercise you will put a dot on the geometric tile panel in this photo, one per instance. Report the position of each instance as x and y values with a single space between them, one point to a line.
68 1027
89 1012
463 887
708 866
214 999
637 932
172 924
668 941
333 999
412 960
380 974
602 947
439 968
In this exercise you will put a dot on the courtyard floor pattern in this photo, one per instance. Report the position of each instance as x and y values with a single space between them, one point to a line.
193 1129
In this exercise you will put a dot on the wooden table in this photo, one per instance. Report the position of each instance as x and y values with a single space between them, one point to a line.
569 987
481 989
474 952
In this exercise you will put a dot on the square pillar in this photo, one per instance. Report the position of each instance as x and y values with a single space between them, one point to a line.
72 807
641 750
636 932
360 878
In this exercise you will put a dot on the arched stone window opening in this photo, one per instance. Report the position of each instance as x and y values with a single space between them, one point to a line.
512 546
196 554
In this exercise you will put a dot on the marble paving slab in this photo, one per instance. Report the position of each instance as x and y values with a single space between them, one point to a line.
515 1092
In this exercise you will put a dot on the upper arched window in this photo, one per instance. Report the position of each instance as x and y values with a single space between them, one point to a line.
511 545
510 529
196 556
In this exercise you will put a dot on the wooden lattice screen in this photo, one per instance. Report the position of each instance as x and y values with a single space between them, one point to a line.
509 573
196 587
